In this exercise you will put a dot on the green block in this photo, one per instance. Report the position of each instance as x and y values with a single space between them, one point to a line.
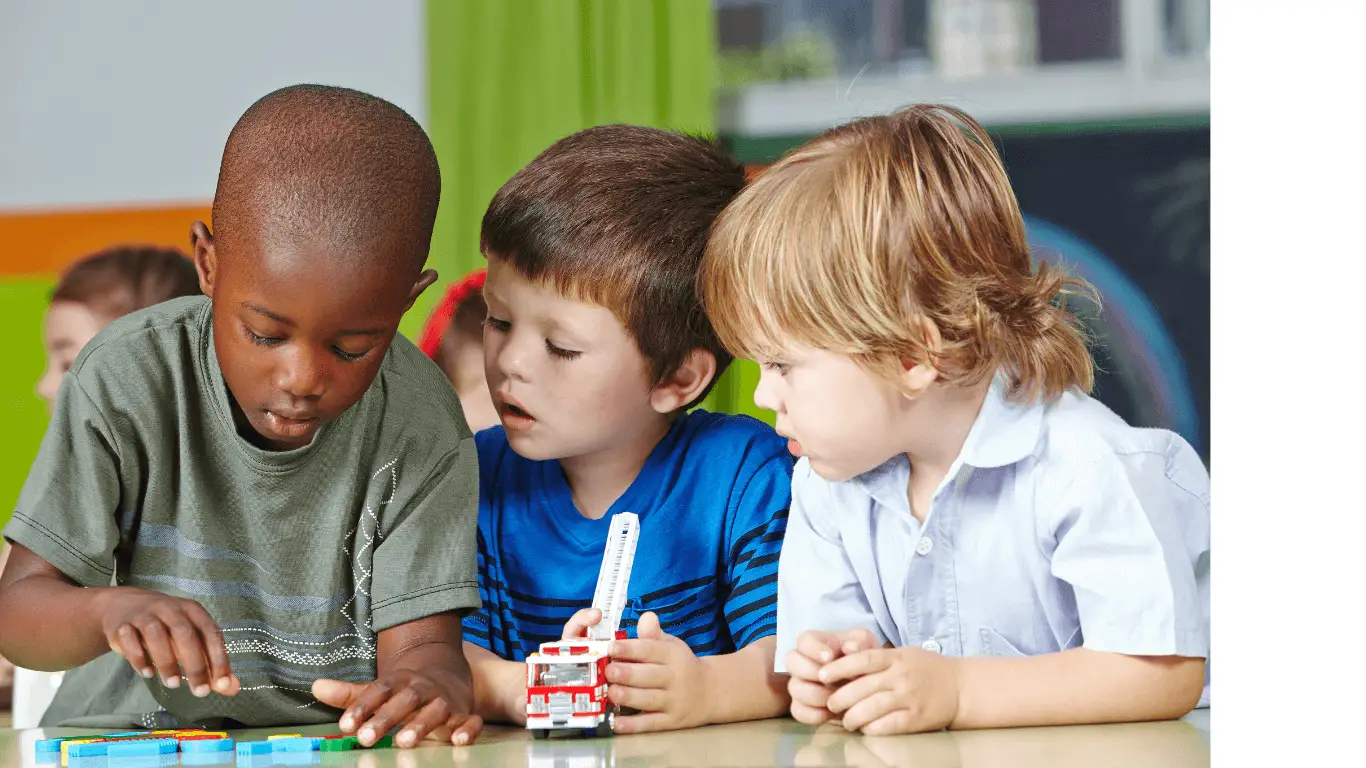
384 743
340 745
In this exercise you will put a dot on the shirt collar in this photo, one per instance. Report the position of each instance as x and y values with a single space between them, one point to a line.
1003 433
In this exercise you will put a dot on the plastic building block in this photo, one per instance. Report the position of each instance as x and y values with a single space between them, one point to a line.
207 744
296 744
279 736
254 748
135 747
340 744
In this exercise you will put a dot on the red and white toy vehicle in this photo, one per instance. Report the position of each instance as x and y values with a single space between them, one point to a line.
566 680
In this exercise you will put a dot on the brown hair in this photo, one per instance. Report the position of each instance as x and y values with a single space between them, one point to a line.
126 278
844 242
618 215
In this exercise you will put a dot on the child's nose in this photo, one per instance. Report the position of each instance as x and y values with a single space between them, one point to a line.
301 378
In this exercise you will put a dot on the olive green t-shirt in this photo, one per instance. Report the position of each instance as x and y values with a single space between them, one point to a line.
300 556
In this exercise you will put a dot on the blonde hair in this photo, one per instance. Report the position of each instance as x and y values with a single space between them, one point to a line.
844 243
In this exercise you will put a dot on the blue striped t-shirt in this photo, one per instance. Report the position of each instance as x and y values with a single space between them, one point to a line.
712 500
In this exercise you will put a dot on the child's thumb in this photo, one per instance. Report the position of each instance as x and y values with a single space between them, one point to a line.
648 628
336 693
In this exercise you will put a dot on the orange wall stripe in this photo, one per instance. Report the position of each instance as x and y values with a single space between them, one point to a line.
45 242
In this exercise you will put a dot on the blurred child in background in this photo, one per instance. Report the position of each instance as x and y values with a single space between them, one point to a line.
90 294
454 338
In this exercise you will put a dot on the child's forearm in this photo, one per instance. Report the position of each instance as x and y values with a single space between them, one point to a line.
743 686
49 624
499 686
1074 687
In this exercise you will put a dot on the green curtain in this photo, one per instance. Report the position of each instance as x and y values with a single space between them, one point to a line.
509 78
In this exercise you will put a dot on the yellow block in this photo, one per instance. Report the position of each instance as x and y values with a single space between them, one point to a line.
285 736
65 744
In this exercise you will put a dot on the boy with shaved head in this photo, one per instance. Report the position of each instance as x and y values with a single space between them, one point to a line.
283 490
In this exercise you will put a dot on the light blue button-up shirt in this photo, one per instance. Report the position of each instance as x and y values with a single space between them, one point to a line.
1058 526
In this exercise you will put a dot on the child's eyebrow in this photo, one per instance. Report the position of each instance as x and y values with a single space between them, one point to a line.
286 321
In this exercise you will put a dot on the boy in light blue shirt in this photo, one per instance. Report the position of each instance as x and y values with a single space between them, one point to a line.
974 542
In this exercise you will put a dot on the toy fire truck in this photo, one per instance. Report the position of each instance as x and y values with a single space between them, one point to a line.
566 680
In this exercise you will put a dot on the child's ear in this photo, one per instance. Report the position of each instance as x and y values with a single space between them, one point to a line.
920 374
424 281
205 258
684 384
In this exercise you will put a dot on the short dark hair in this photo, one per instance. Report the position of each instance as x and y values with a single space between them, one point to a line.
125 278
618 215
330 162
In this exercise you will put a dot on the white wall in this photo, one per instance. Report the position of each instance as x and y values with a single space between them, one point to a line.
131 101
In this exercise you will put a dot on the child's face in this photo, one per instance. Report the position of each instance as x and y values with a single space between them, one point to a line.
842 418
566 378
67 327
299 331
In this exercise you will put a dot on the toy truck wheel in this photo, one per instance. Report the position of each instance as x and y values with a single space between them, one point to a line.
540 733
603 729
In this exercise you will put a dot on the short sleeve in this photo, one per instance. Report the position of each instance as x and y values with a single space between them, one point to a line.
493 626
817 586
760 520
1133 541
425 563
68 508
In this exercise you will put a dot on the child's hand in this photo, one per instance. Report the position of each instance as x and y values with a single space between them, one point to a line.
578 624
659 675
896 690
435 706
814 649
169 634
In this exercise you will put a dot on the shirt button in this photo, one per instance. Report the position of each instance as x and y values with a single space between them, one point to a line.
924 546
931 645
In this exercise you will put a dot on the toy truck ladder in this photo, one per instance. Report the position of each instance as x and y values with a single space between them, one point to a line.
610 596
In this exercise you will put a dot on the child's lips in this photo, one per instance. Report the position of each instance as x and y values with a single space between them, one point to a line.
794 447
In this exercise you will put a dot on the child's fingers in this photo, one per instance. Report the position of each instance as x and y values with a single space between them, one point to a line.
643 699
639 675
578 624
467 729
799 665
811 694
367 702
430 717
858 639
215 650
869 709
189 650
157 640
644 651
396 709
854 691
128 643
808 715
857 665
823 647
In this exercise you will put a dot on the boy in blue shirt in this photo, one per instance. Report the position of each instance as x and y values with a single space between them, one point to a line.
595 348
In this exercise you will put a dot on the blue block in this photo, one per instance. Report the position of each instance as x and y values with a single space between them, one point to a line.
253 747
94 749
205 758
141 748
207 745
297 744
130 761
50 745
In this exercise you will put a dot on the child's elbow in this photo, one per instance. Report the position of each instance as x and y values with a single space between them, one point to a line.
1185 686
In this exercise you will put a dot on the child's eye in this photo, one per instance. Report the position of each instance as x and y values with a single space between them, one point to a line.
265 341
560 352
496 324
349 356
780 368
